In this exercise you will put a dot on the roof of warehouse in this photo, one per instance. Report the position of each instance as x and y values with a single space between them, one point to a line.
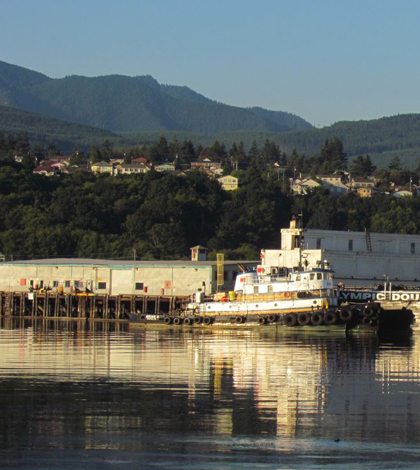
103 262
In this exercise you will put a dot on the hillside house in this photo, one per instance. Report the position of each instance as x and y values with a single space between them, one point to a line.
357 183
130 168
46 169
103 167
229 182
303 185
334 184
165 168
205 164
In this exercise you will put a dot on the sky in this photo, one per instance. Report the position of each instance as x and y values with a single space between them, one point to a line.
324 60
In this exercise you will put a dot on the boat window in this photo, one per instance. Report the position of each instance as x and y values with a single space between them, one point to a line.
312 276
298 278
270 288
319 275
255 289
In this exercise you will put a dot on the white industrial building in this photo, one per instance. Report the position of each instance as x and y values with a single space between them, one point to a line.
357 258
363 258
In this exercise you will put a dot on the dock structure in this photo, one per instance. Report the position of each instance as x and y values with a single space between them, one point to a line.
84 306
107 289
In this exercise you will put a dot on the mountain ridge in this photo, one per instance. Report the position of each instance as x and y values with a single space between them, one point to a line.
124 104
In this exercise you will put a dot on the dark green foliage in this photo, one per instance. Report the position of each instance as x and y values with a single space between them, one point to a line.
362 166
160 216
381 213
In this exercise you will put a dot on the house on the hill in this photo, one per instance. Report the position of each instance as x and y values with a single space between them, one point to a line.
334 184
165 168
303 185
130 168
103 167
229 182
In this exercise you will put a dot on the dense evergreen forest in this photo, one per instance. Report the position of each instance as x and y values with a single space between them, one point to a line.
160 216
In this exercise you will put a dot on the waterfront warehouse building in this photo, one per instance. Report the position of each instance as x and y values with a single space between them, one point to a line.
156 278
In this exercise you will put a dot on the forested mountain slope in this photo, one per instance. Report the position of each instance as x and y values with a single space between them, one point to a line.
67 135
395 135
121 103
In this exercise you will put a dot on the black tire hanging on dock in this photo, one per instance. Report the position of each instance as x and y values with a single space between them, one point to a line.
198 320
168 320
330 318
208 320
188 321
317 319
303 319
239 319
368 311
177 321
345 314
367 320
290 319
272 318
262 320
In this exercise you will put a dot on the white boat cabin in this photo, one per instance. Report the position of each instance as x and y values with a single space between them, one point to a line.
283 280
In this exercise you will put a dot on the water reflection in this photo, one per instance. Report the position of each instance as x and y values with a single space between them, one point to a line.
105 387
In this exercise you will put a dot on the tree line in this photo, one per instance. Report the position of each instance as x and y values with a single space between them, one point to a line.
161 216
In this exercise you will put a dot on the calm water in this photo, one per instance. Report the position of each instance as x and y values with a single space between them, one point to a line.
100 396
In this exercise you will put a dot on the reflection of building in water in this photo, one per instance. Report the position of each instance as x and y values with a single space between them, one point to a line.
235 382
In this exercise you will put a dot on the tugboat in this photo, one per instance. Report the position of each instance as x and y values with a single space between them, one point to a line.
291 296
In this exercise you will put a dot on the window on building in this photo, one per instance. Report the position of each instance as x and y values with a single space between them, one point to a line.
41 284
319 276
55 283
413 248
318 243
67 284
139 285
101 285
350 245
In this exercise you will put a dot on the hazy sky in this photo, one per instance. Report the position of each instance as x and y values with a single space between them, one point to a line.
324 60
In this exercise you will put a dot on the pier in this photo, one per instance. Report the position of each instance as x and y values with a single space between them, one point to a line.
84 306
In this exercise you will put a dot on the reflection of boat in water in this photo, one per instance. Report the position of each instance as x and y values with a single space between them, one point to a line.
291 287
